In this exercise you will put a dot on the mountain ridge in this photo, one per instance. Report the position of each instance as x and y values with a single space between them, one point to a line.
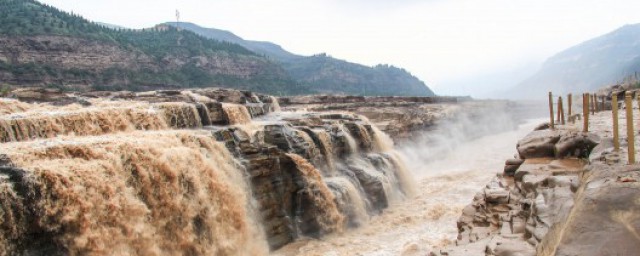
600 61
324 73
46 47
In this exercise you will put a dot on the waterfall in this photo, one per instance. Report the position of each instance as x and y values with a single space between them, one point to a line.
381 141
350 200
90 121
344 134
180 115
323 141
236 114
275 105
187 172
10 106
157 193
325 210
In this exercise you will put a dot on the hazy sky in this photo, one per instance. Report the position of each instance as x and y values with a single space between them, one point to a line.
455 46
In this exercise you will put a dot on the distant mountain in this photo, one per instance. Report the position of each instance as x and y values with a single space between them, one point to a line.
588 66
43 46
269 49
325 74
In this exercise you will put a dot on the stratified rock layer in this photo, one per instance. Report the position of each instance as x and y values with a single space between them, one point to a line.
404 118
184 172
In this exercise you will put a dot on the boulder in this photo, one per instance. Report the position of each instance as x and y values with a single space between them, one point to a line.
576 144
539 144
542 126
511 166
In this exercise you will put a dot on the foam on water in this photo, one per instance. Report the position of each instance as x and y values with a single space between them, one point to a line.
416 225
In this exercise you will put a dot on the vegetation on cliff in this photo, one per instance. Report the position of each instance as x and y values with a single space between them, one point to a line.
324 73
160 57
43 46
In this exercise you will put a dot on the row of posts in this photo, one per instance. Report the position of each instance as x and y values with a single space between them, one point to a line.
590 104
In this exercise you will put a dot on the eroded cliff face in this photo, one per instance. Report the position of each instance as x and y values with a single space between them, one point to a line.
80 63
203 171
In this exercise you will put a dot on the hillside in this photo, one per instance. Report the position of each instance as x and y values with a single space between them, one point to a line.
588 66
326 74
267 48
43 46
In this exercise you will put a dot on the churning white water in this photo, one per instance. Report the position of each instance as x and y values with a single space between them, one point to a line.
447 183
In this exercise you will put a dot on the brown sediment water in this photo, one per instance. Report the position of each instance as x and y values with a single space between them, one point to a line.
351 143
236 114
275 105
329 217
407 181
381 141
326 148
142 193
180 115
90 121
353 201
139 178
10 106
427 220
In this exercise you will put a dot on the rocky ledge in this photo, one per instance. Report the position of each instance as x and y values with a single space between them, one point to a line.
197 172
404 118
566 193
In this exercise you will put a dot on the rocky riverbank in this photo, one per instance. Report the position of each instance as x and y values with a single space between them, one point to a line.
566 193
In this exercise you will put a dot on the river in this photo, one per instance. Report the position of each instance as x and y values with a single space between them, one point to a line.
447 183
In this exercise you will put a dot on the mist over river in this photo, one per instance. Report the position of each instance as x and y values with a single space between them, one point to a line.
462 165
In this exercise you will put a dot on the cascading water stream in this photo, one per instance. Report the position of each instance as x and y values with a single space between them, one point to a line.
108 179
427 220
152 193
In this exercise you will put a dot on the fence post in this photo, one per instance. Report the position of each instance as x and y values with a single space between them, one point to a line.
569 101
593 104
558 111
628 103
551 124
561 110
614 110
585 112
638 96
602 107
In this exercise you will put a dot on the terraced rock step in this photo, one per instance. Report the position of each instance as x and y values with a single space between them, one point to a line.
199 172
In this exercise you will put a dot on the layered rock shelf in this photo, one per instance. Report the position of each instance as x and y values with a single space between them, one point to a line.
198 172
566 193
403 118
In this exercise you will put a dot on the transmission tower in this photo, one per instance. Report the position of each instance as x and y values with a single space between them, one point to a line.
178 19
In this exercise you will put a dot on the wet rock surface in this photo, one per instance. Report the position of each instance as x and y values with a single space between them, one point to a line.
307 174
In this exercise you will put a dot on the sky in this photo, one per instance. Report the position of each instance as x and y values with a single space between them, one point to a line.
457 47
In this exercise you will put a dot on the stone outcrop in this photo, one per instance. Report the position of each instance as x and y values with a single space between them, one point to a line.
568 193
404 118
